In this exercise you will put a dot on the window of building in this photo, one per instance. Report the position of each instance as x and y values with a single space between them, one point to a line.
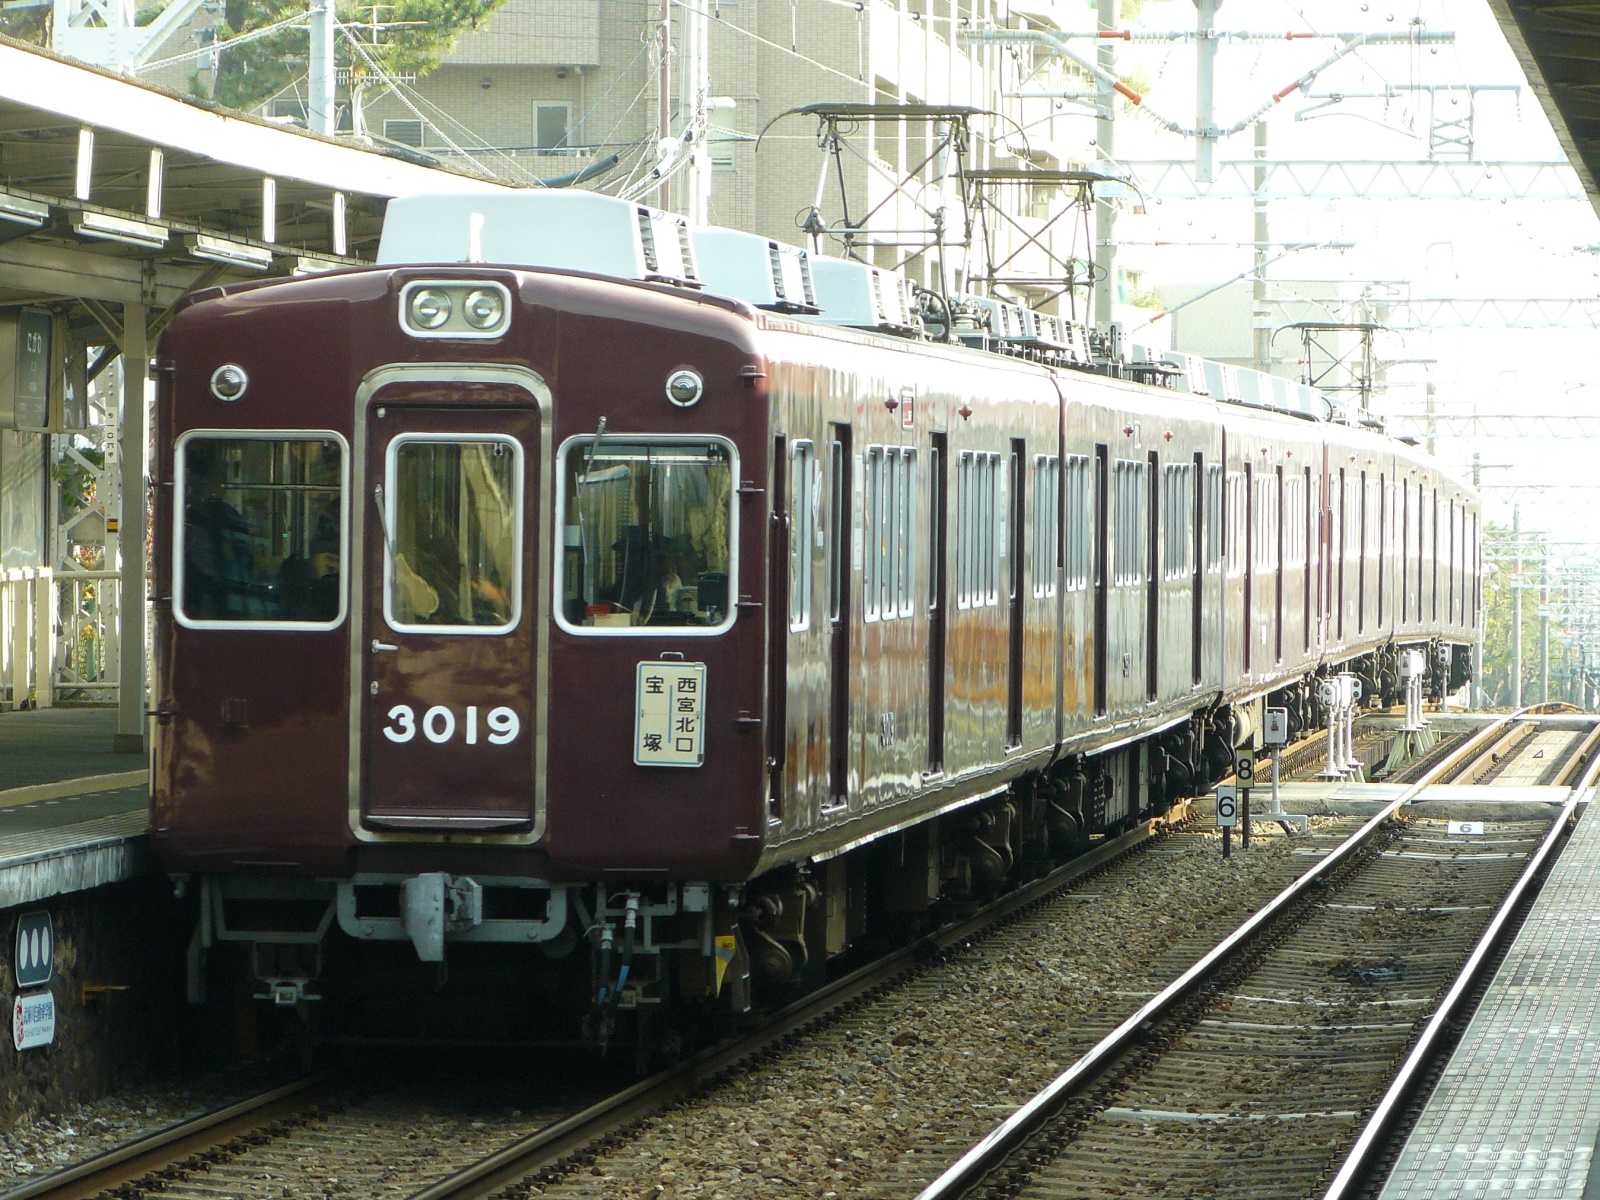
550 126
406 132
260 537
648 533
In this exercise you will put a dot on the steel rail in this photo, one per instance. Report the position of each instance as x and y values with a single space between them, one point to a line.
1359 1161
127 1163
1004 1140
1518 733
527 1155
1570 767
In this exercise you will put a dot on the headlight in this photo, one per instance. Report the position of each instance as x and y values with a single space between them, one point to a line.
430 308
448 308
484 308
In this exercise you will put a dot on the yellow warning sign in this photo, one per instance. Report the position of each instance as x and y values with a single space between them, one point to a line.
727 947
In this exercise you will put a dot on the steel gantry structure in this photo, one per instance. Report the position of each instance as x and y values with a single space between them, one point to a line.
117 200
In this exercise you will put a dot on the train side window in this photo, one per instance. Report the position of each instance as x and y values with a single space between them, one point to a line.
980 538
803 533
453 519
1177 516
1131 517
1046 524
839 510
1236 517
1079 544
873 523
650 534
964 531
1214 527
261 530
891 524
905 564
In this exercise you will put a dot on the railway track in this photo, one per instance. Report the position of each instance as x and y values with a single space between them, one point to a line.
1256 1071
325 1135
337 1138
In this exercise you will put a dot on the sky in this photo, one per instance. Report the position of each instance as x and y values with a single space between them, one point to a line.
1435 248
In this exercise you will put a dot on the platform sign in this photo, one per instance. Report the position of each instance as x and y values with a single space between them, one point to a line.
1464 829
1277 726
1244 768
25 370
669 715
1227 807
33 1020
36 950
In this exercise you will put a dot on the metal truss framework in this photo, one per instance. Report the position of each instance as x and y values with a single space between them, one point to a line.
1311 179
1497 425
1457 312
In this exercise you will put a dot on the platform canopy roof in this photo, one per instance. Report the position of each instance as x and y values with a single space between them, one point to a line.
117 192
1558 45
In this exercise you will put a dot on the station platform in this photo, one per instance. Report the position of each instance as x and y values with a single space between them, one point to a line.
73 814
1516 1112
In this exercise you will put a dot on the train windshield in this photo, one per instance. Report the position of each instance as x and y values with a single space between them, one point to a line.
261 538
647 533
452 518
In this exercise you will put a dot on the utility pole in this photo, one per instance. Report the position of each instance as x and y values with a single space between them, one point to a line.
1544 633
1516 607
1105 135
1205 142
320 100
1477 662
1433 425
696 88
664 196
1260 315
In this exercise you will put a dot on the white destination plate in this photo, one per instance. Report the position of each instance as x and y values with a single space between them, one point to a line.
33 1020
669 716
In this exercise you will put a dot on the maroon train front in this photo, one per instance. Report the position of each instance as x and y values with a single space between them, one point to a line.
550 644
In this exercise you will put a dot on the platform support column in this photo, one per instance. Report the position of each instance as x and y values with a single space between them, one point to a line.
133 437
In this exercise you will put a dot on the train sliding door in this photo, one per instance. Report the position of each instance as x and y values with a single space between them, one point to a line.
1015 600
449 579
1102 573
938 528
840 528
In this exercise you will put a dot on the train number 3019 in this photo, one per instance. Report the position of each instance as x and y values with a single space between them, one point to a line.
439 725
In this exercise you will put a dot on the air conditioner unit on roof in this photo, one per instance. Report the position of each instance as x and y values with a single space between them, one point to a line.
572 230
746 266
861 296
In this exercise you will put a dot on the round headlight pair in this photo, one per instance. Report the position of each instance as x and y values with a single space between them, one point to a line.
482 308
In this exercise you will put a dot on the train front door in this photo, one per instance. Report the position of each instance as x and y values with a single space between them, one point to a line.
450 577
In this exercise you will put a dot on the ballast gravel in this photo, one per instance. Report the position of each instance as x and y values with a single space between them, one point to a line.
871 1106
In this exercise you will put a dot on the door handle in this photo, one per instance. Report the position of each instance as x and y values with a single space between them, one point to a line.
377 646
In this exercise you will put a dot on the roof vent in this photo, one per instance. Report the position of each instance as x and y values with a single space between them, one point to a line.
755 269
566 229
861 296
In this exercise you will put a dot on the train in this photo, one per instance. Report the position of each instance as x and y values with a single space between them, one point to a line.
578 624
